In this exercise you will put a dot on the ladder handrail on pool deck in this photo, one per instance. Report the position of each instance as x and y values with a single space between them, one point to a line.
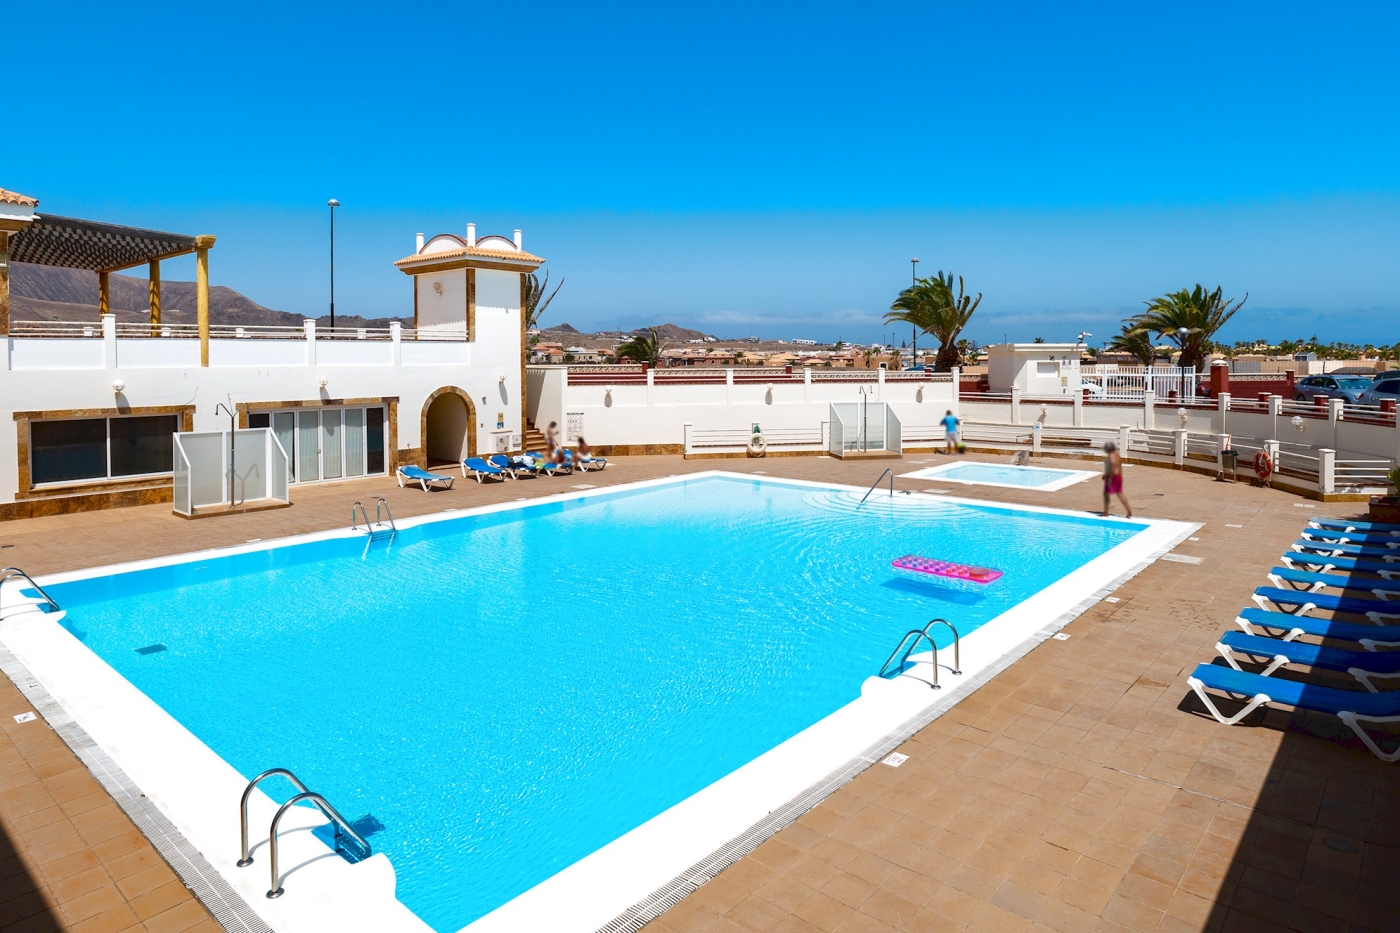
381 502
890 474
9 573
376 527
919 635
359 507
321 802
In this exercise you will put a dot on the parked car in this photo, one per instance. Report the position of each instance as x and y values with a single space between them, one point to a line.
1347 388
1386 386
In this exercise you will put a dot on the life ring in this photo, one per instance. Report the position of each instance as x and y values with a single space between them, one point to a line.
1263 466
757 444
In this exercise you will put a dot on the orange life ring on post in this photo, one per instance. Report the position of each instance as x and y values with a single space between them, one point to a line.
1263 466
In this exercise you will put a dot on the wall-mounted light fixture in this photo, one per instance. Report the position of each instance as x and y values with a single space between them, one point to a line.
118 385
1181 413
1297 421
501 379
323 382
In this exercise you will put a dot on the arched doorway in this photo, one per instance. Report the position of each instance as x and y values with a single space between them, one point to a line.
448 427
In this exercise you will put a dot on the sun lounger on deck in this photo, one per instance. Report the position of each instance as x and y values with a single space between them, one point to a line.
1322 563
512 468
422 477
1361 538
1363 665
1350 706
1342 524
1373 609
1347 550
1313 581
1367 636
483 470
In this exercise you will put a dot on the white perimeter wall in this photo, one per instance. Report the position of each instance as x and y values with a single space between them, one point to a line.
656 414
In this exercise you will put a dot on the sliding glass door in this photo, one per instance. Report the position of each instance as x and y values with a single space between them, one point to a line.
328 443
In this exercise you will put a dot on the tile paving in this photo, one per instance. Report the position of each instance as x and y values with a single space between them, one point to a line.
1079 790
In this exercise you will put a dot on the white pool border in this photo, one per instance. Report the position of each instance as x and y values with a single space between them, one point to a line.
938 474
621 885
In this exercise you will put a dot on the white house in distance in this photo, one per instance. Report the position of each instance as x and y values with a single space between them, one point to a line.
1036 369
87 409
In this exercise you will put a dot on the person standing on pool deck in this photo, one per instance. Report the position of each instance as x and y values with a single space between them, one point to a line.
551 439
950 432
1113 478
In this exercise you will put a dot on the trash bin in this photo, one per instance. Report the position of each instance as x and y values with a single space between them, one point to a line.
1230 460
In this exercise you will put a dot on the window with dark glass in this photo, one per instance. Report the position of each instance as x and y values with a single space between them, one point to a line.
374 440
143 444
65 451
260 419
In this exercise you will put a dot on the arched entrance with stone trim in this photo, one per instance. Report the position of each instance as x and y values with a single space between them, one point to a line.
448 427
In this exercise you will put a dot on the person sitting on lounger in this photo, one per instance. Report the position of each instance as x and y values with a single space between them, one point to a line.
1113 478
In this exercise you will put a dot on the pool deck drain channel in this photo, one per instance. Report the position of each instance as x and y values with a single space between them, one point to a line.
687 882
230 910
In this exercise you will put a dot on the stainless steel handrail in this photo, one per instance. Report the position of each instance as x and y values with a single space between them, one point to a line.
921 635
9 572
381 502
325 807
355 522
247 859
890 474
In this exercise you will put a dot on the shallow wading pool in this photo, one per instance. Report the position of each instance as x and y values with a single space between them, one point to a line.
498 695
994 474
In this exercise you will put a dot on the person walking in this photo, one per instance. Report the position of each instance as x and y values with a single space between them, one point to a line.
950 433
1113 478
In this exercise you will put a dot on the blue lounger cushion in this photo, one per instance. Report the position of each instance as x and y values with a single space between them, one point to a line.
1368 636
1373 609
1366 539
1382 589
1342 524
1350 550
480 468
1363 665
1350 706
1322 563
421 476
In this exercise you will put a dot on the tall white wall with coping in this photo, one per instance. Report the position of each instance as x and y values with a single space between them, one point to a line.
633 414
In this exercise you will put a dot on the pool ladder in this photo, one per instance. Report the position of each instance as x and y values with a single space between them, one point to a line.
379 527
911 641
343 829
890 474
12 573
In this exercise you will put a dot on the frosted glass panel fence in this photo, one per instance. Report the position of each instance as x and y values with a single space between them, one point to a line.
864 426
204 465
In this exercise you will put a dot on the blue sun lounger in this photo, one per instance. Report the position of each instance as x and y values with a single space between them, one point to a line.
1373 609
483 470
1313 581
1350 706
422 477
1320 563
513 468
1361 538
1346 550
1367 636
1341 524
1363 665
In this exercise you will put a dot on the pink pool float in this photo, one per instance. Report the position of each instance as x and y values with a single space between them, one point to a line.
945 568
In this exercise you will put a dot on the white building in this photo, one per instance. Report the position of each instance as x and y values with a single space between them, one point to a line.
87 409
1037 369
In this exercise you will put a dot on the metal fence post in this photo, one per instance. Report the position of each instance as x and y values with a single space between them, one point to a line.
1149 417
1035 439
1327 469
1179 446
1222 407
1124 434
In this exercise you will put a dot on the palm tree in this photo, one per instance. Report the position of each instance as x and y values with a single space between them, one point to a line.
930 305
1190 318
1135 342
644 348
534 306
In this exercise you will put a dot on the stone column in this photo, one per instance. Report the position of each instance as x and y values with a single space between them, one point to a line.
4 282
155 292
202 245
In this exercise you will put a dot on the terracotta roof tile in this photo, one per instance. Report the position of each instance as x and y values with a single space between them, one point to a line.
14 197
509 255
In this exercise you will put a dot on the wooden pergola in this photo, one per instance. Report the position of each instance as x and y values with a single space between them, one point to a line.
47 240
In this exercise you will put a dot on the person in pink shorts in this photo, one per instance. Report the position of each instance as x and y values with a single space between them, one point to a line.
1113 478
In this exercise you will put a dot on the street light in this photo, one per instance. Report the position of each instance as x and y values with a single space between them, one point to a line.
332 204
914 281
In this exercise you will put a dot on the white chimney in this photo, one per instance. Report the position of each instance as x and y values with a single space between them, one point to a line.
471 234
420 242
517 240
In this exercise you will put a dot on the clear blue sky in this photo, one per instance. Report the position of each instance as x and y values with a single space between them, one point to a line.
745 169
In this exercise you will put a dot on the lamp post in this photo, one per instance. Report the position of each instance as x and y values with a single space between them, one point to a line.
332 204
914 281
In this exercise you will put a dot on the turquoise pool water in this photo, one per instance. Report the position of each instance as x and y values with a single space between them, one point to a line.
505 693
1025 477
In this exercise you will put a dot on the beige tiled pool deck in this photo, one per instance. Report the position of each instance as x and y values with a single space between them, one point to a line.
1080 790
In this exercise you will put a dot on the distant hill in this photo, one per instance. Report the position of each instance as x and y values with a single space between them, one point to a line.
673 332
50 293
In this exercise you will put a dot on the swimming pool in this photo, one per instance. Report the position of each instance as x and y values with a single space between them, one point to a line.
995 474
507 693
